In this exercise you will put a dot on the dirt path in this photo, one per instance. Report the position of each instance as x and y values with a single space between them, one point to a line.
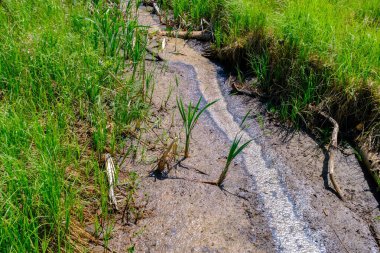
276 199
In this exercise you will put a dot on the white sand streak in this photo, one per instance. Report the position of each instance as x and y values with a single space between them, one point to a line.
289 231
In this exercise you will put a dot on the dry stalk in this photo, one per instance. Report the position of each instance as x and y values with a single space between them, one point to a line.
169 154
110 169
156 9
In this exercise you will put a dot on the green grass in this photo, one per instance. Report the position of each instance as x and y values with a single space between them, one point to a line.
342 33
302 52
64 99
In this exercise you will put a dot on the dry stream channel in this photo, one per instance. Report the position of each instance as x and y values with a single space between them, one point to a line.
276 196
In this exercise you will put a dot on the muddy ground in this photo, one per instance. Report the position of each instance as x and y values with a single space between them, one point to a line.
295 210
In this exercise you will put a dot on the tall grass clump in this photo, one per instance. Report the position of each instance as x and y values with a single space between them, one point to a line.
64 100
190 116
303 52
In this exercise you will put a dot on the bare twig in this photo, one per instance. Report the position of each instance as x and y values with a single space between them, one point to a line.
337 236
332 152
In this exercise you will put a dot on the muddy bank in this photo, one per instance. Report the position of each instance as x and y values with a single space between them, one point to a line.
186 215
277 198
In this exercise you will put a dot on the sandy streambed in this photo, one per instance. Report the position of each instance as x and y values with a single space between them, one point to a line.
276 197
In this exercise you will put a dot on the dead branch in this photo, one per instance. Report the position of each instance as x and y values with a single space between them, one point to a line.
333 148
198 35
110 169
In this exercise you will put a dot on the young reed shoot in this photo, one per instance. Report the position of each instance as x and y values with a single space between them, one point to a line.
235 150
190 116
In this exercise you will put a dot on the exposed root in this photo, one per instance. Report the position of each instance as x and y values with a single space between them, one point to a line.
332 151
110 168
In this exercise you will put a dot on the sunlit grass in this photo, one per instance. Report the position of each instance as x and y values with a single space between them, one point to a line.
303 52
